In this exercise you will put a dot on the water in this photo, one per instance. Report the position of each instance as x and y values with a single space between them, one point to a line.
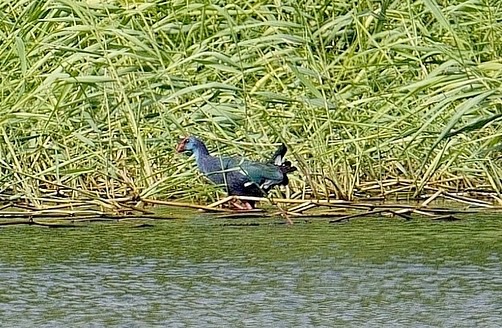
214 273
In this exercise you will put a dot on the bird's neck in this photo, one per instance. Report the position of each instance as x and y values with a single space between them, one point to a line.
200 152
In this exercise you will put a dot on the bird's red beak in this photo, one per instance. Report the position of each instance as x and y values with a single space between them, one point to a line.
181 145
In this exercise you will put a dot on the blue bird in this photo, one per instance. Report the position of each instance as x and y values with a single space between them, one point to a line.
239 176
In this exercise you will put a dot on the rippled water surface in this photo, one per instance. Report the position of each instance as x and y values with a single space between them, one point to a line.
212 273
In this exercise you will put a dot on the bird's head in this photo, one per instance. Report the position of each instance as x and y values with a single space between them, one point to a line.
188 144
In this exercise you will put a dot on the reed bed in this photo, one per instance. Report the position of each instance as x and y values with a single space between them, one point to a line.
442 205
394 100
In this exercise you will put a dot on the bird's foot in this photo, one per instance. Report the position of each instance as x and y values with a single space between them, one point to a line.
241 205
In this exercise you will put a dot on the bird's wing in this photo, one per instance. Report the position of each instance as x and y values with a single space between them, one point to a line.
258 172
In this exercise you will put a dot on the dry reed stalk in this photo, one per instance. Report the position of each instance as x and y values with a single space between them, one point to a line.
187 205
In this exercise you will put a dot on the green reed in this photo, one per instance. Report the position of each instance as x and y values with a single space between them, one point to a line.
95 94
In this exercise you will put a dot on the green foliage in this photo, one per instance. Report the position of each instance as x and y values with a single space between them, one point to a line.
94 94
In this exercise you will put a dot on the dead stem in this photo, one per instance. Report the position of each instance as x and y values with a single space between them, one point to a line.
129 208
188 205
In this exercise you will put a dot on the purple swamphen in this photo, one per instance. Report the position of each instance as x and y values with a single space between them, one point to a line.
239 176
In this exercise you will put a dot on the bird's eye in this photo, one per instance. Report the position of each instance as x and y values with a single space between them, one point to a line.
186 141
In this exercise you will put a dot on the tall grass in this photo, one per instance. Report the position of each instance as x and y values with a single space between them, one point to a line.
94 94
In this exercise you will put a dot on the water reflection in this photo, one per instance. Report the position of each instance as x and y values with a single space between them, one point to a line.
206 273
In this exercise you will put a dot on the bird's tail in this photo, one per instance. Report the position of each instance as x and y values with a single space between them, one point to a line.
278 157
279 160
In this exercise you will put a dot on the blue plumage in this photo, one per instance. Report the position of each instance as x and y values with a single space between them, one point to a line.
239 176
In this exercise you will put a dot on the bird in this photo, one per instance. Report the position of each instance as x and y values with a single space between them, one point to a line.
239 176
